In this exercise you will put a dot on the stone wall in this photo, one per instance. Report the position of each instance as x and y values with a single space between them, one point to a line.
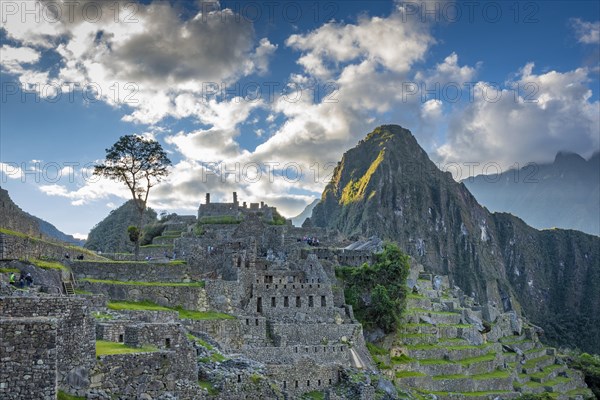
141 375
28 351
75 337
135 271
321 354
188 297
307 333
224 295
304 376
227 332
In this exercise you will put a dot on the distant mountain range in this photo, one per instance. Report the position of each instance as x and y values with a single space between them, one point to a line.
299 219
387 186
563 194
15 219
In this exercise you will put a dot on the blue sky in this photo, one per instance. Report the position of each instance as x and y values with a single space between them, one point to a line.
263 98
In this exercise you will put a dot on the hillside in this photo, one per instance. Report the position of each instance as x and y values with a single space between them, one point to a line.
110 234
562 194
15 219
388 186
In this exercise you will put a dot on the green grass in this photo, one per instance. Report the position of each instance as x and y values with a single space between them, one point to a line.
435 346
136 306
553 382
408 374
498 374
468 361
138 283
546 371
198 340
155 246
202 315
314 395
376 350
102 316
183 314
9 270
534 361
104 348
224 220
401 359
71 248
45 264
209 387
60 395
470 394
79 291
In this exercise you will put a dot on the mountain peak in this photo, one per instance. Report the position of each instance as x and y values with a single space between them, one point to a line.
568 157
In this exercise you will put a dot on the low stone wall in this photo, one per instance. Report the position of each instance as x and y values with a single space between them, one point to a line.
188 297
75 337
226 332
134 271
306 334
28 350
149 375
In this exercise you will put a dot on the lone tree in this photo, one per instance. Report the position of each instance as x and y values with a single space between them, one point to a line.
141 164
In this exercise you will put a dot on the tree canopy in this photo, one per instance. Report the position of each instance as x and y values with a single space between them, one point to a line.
140 163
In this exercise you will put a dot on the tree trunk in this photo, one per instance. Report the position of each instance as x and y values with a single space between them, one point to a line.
140 226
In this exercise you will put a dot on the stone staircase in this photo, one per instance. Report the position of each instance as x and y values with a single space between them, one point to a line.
446 350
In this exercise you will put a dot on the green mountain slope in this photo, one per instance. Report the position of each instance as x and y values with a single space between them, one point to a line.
388 186
110 234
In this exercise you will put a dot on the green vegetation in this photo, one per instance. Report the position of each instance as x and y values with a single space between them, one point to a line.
314 395
102 316
136 283
200 341
590 366
79 291
278 219
376 350
223 220
46 264
107 348
255 378
385 281
355 190
204 384
401 359
110 234
156 246
183 314
60 395
8 270
151 231
408 374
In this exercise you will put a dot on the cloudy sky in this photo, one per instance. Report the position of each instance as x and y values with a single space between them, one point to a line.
264 97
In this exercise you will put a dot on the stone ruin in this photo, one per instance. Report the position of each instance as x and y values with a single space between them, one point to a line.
287 331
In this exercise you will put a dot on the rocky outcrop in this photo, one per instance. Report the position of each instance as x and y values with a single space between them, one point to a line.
388 186
15 219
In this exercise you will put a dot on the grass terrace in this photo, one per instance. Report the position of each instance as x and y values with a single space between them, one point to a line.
138 283
183 314
104 348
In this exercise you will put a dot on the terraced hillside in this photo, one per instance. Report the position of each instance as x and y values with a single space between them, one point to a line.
446 349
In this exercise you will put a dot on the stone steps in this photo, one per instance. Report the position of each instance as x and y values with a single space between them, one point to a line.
433 317
548 373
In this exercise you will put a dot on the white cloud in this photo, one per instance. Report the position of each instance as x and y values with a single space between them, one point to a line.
550 112
147 63
587 32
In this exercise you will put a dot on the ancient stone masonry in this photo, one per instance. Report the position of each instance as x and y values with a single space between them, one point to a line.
287 330
73 338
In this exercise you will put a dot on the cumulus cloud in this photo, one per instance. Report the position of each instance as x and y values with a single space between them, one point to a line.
587 32
530 119
143 55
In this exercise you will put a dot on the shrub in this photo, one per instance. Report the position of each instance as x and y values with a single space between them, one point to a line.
378 292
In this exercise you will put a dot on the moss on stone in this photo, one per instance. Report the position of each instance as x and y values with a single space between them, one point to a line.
104 348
